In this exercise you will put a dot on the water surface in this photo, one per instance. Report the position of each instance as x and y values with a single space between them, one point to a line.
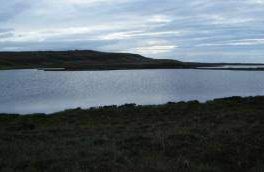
35 91
235 67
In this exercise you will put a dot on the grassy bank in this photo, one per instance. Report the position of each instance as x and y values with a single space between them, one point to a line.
220 135
87 60
83 60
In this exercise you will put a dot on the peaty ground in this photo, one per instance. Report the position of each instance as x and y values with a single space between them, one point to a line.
220 135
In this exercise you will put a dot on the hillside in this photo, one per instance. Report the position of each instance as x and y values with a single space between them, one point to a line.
82 60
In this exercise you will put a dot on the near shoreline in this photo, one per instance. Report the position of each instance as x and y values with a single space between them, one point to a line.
219 135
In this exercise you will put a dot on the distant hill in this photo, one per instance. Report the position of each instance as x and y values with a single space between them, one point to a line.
83 60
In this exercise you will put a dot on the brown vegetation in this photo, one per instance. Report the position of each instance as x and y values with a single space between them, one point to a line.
220 135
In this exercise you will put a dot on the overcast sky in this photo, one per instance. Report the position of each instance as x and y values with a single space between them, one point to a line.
189 30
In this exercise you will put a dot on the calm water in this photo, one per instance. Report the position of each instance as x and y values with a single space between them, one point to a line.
33 91
237 66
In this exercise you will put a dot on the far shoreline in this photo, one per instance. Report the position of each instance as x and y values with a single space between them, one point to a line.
89 60
124 69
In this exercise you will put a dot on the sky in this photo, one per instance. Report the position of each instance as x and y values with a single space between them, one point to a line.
187 30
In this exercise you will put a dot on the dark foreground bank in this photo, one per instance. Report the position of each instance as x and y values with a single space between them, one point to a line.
220 135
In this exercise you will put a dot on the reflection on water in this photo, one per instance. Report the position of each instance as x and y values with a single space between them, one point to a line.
34 91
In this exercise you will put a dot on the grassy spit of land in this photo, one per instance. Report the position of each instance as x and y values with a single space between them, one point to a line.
82 60
93 60
220 135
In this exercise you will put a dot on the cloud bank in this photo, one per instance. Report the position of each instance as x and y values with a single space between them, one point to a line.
197 30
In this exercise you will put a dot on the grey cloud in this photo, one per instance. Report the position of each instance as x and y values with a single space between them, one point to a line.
10 9
197 30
